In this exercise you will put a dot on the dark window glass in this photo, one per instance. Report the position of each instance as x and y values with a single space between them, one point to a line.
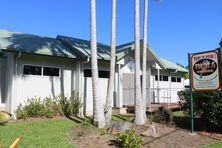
178 79
165 78
156 78
102 74
32 70
160 77
173 79
50 71
87 73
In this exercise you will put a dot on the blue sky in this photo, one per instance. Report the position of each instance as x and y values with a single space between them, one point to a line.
175 27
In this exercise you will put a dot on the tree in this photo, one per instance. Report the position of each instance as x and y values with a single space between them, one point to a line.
144 56
139 116
112 65
98 111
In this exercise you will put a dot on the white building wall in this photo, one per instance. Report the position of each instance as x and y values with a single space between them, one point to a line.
87 87
29 86
9 80
168 90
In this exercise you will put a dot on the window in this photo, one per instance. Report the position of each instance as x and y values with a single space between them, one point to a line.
178 79
102 74
37 70
165 78
50 71
156 78
173 79
87 73
162 78
32 70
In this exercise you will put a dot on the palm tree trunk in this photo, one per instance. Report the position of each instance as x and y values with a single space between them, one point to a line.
98 111
144 56
110 92
139 116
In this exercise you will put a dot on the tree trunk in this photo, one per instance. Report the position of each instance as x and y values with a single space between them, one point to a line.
139 116
110 91
144 56
98 111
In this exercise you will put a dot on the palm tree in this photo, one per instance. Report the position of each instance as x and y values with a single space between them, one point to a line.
139 116
144 56
112 65
98 111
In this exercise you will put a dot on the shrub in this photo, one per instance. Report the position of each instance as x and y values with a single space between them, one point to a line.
2 116
21 113
207 105
75 103
64 104
35 108
129 139
49 107
49 110
72 105
163 115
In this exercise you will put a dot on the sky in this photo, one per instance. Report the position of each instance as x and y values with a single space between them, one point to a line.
175 27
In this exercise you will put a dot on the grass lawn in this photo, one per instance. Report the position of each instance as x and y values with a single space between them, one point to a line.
214 145
178 114
41 133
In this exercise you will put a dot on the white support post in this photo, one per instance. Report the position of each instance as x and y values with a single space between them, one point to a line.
120 88
169 87
158 85
78 85
148 86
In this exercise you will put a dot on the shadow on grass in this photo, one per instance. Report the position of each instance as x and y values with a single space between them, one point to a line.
199 124
80 120
3 123
120 118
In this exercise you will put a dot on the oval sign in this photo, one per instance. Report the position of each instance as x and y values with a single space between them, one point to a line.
205 67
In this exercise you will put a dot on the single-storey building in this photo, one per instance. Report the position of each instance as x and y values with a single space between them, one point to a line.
36 66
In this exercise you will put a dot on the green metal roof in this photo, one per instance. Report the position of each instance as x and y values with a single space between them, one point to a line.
26 43
70 47
170 65
83 47
125 49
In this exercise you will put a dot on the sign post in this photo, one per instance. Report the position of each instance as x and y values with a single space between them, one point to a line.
191 95
204 74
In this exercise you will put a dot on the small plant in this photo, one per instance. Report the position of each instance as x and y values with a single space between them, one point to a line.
21 113
35 108
2 116
64 104
129 139
163 115
75 103
49 110
72 105
49 107
32 108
